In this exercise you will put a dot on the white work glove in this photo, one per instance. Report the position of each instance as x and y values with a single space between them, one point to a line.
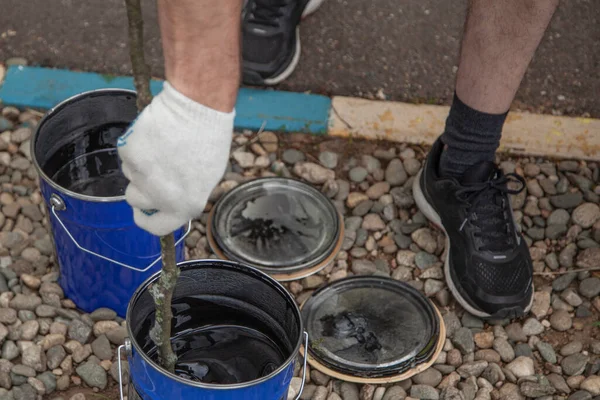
174 155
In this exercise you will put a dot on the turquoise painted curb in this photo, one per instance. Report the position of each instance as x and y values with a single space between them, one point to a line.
43 88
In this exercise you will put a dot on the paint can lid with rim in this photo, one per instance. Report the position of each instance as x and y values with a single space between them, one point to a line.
370 329
281 226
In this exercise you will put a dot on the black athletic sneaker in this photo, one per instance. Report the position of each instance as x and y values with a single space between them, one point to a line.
488 267
271 39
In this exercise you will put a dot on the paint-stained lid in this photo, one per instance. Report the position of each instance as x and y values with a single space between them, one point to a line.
282 226
372 330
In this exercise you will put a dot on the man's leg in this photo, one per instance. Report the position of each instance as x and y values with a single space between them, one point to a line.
488 267
499 41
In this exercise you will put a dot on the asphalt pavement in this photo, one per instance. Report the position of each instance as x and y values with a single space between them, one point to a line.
394 49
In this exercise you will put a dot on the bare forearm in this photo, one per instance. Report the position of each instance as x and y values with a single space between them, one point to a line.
201 45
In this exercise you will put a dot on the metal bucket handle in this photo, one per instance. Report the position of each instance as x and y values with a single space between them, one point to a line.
127 347
59 205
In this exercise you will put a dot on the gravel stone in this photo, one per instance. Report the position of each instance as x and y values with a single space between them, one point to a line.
24 392
589 287
571 348
541 304
592 385
559 383
49 381
93 374
8 316
561 320
23 370
533 327
292 156
328 159
566 258
586 215
424 392
580 395
523 349
571 297
521 367
79 331
33 356
313 173
378 190
25 302
536 389
547 352
574 364
395 174
504 349
563 282
103 314
373 222
358 174
394 393
429 377
101 348
463 340
363 267
474 368
567 200
493 374
55 356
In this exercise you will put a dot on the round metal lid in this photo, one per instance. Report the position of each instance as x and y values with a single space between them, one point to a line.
279 225
371 326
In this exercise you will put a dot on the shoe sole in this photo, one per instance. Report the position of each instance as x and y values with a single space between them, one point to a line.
432 215
311 7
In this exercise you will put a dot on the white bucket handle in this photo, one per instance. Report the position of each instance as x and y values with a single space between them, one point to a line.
59 205
127 347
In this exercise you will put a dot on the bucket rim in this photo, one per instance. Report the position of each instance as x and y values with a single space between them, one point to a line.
49 114
233 265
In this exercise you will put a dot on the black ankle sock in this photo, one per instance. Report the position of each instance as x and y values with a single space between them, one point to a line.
470 136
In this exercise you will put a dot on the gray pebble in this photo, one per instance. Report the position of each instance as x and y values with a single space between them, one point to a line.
103 314
574 364
567 200
79 331
293 156
328 159
504 349
580 395
523 349
10 351
358 174
546 351
463 340
394 393
563 282
555 231
452 324
55 356
93 374
590 287
24 392
430 377
349 391
101 348
532 327
470 321
395 174
571 348
561 320
424 392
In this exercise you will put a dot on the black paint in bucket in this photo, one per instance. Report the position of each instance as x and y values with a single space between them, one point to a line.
232 324
77 151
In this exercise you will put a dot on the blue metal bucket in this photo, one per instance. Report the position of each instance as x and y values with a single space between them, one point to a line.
103 256
221 283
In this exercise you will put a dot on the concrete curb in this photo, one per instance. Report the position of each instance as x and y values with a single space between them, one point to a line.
524 133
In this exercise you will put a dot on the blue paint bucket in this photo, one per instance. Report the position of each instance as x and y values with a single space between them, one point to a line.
103 256
211 295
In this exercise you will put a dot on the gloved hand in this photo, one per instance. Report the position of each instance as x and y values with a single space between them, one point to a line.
174 155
